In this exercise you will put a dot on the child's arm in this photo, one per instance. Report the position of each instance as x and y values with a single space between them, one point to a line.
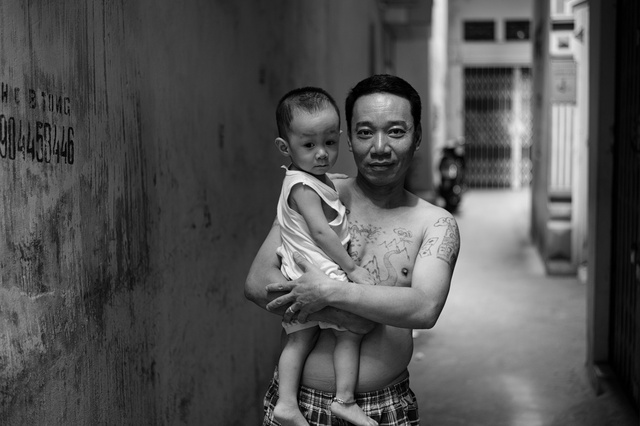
309 204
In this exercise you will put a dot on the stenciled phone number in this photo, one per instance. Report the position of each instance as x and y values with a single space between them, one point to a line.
42 142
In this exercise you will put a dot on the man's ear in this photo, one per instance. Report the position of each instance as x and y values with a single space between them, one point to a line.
283 146
349 143
418 137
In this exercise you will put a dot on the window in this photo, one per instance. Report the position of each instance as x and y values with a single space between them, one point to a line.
560 8
517 30
479 30
562 26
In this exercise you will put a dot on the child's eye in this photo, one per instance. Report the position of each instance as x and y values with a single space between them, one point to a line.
309 145
331 142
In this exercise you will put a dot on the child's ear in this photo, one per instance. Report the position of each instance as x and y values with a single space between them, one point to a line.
283 146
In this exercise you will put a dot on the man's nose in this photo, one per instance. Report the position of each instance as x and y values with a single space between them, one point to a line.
380 145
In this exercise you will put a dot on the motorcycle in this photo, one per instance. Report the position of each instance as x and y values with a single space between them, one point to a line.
452 169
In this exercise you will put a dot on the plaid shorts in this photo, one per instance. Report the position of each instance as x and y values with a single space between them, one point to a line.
395 405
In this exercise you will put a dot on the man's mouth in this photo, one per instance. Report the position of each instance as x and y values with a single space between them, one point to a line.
380 165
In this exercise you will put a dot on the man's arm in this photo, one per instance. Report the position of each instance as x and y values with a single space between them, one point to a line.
418 306
265 270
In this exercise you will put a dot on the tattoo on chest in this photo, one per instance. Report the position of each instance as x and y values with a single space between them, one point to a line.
360 236
383 271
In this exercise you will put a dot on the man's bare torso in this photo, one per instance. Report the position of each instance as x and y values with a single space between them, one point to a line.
385 241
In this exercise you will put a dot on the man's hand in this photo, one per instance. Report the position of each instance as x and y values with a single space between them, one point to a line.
306 295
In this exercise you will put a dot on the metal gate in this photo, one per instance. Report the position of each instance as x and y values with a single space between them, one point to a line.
625 274
498 127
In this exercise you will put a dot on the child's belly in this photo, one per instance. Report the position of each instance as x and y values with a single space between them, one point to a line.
384 356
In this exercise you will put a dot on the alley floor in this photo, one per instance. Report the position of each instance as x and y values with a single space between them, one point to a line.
510 346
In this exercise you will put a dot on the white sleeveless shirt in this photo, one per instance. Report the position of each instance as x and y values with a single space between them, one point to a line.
295 232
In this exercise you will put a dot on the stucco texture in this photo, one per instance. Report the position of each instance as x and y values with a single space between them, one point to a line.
126 240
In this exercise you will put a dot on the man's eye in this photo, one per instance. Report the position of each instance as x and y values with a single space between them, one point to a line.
364 134
397 132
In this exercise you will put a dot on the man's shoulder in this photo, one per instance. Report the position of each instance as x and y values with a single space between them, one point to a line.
343 183
429 214
344 187
426 208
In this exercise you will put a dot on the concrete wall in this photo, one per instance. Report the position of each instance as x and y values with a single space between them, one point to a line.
122 264
438 56
580 177
412 64
541 116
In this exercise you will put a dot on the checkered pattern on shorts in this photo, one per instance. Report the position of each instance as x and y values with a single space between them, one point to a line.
395 405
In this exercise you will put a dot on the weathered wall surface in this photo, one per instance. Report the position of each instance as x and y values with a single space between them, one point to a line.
138 178
541 120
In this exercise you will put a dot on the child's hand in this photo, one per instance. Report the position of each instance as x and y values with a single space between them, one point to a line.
361 276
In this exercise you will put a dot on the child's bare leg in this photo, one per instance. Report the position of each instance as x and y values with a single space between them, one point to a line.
346 361
290 366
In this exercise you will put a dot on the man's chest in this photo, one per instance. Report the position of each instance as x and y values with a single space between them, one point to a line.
387 248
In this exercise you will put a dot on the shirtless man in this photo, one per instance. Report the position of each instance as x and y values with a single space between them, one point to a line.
407 244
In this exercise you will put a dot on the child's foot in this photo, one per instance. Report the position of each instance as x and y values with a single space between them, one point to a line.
289 415
351 412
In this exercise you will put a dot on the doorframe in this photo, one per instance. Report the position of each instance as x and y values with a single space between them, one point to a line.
601 138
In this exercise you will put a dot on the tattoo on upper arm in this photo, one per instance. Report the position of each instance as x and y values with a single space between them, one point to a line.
425 250
448 249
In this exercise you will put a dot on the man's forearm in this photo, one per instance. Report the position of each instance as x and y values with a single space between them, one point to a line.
265 270
403 307
255 291
351 322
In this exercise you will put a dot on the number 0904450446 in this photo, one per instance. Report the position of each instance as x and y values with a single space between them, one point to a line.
40 141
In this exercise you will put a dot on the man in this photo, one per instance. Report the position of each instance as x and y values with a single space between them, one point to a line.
409 245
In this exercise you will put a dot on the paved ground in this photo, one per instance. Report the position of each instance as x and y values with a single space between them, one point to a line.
510 346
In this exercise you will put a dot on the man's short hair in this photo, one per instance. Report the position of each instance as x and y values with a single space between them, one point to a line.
384 83
308 99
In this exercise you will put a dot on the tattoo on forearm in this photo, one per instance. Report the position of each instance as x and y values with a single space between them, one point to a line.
448 250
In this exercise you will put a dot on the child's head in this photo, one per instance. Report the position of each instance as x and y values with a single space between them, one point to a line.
309 129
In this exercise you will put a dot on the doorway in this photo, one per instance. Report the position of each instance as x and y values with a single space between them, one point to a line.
498 126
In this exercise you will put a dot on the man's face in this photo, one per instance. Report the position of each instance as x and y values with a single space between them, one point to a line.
313 140
383 138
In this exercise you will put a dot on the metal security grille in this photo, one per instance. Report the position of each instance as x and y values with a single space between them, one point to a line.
498 127
625 274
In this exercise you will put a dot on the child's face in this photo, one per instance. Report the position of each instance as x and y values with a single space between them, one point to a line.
313 140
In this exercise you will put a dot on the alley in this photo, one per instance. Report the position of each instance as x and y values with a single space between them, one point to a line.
510 346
